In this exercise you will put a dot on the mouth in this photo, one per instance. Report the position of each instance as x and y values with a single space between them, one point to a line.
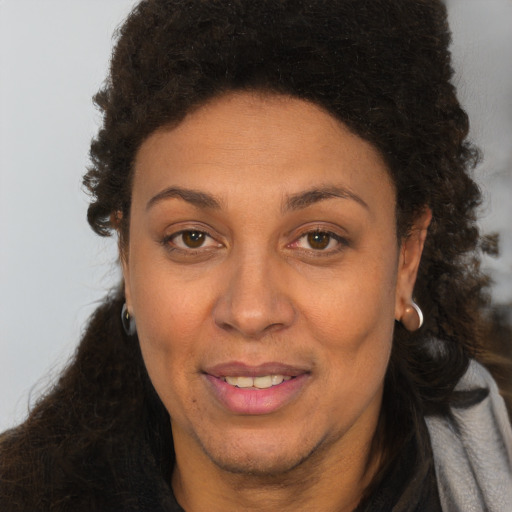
256 390
263 382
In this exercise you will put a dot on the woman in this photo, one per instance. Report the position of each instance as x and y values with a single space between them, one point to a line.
287 181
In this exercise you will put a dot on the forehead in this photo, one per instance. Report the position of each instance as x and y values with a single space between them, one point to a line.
258 139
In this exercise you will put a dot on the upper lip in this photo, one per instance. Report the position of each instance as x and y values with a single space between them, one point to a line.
239 369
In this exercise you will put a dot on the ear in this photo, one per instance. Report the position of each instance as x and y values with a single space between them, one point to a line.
123 257
409 261
115 221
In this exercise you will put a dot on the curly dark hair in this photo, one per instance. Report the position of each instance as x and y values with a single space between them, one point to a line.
383 68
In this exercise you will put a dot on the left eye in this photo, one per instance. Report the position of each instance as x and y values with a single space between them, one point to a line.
192 239
318 241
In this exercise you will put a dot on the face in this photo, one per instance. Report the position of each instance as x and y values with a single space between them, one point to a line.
264 274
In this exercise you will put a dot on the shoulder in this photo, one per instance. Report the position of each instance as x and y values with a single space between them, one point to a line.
472 447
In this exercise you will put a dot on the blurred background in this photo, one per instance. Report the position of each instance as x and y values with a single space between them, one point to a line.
54 270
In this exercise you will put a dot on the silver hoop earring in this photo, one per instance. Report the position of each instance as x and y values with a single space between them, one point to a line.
418 310
412 318
128 321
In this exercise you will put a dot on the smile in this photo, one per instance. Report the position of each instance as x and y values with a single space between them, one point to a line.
263 382
260 390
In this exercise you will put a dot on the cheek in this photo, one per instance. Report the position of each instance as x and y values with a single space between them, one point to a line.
356 340
168 333
352 319
356 304
164 302
170 316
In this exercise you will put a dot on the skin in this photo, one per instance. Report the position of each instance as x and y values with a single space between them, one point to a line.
261 288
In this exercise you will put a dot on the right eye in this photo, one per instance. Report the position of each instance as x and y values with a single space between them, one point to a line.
191 239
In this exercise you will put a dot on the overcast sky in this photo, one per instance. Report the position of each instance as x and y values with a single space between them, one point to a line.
482 52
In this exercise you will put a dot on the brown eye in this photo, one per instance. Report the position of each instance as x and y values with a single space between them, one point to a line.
191 242
318 240
193 239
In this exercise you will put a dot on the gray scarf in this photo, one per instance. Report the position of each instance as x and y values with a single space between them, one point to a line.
472 450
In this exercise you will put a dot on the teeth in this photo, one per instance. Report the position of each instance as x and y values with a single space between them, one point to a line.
263 382
240 382
277 379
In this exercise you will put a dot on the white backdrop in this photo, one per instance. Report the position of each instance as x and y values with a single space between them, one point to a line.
53 269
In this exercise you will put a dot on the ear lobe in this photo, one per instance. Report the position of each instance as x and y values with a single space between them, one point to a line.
409 260
126 282
123 258
115 221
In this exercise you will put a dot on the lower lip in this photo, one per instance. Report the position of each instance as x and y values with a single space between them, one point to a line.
253 401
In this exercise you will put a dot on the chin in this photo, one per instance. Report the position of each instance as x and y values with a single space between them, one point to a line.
262 458
268 465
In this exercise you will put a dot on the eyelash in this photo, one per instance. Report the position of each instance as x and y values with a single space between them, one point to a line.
169 243
341 241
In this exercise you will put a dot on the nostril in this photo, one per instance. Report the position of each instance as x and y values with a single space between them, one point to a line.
253 328
274 327
225 326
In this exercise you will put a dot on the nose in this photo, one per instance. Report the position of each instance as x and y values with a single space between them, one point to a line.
255 300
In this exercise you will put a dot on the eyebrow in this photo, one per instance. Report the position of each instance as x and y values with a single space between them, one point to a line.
195 197
304 199
294 202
